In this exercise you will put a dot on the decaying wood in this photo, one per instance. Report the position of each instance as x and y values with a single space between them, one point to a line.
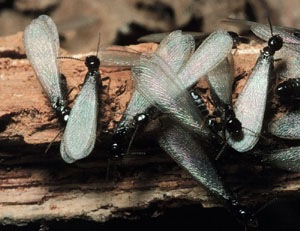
38 186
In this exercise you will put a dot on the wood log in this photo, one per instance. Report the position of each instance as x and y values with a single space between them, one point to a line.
35 185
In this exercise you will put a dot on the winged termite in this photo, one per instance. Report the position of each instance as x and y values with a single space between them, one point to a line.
180 144
181 59
251 103
41 43
80 133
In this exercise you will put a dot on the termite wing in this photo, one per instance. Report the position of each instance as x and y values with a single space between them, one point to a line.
251 103
138 105
80 133
287 126
287 91
167 93
198 36
181 145
290 36
157 82
158 37
283 158
41 44
190 67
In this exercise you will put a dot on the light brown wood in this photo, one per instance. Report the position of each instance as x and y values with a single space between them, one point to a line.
36 186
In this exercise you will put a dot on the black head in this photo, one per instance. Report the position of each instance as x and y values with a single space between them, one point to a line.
283 89
141 118
117 150
275 43
234 127
92 62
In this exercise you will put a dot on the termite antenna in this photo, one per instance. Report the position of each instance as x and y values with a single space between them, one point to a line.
271 27
67 57
98 44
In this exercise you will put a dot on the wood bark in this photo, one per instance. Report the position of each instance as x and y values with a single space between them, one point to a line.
35 185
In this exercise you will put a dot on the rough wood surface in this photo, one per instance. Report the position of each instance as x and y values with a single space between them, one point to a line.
38 186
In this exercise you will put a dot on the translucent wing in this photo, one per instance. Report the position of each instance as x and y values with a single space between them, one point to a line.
247 24
158 37
287 158
288 62
189 154
251 103
176 49
263 31
138 104
287 127
209 54
220 81
118 58
42 49
156 81
80 133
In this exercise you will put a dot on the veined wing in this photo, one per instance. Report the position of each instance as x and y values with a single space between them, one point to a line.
209 54
286 158
189 154
118 58
220 80
42 48
176 49
155 80
158 37
251 103
289 63
263 31
80 133
287 127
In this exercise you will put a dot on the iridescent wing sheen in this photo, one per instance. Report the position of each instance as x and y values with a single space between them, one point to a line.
286 158
42 49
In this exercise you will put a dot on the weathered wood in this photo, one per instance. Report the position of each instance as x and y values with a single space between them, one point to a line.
38 186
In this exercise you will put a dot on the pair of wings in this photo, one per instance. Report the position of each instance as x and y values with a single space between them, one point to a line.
287 126
42 48
162 80
177 51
